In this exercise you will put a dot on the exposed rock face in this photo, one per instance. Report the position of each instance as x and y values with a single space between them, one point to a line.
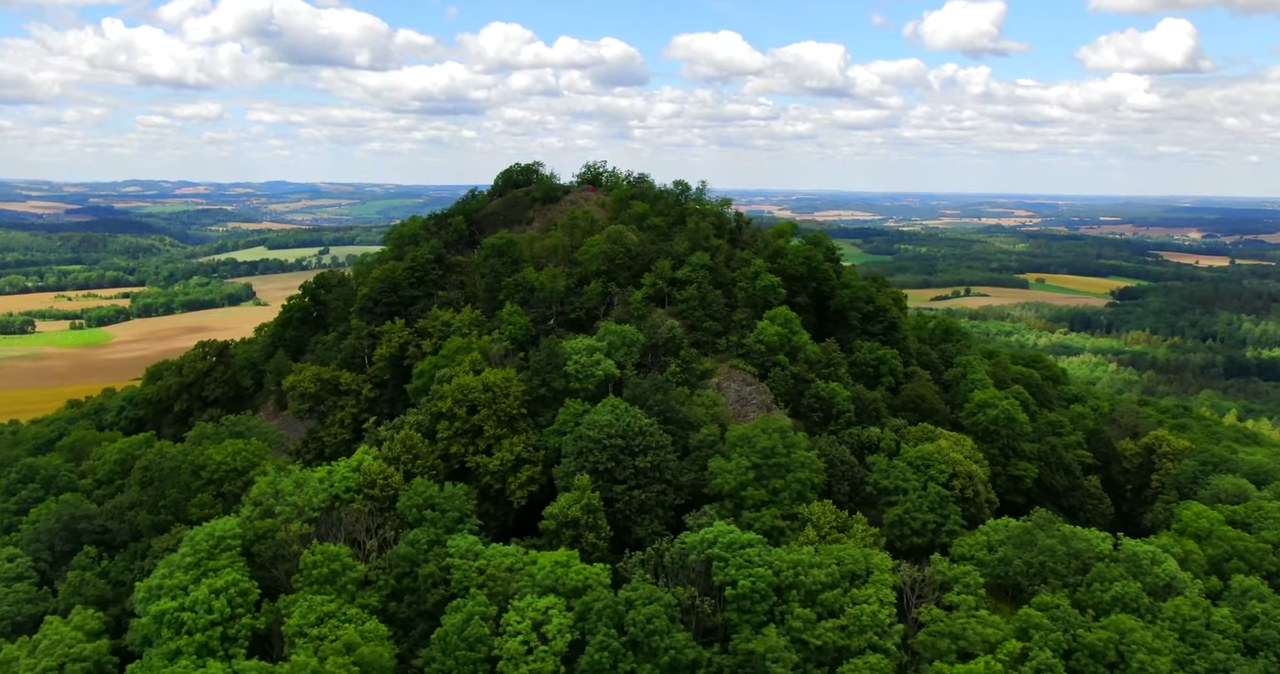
746 398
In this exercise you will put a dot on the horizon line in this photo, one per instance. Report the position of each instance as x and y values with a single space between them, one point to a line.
835 190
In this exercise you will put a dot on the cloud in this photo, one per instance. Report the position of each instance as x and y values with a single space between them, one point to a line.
1173 46
153 121
296 32
198 112
58 3
384 102
879 21
809 68
973 27
412 44
710 57
1152 6
145 55
504 47
449 87
20 83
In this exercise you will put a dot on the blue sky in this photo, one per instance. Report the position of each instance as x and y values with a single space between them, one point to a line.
1068 96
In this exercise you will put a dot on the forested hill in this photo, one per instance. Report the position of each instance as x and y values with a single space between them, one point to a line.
612 426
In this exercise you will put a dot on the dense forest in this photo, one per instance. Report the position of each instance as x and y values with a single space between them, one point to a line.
608 425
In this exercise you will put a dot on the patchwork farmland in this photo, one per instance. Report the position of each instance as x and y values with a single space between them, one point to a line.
45 370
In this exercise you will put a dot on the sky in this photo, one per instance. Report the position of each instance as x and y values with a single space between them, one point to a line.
1138 97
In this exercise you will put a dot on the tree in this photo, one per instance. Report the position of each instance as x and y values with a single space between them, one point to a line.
337 404
464 643
519 176
765 475
200 602
1002 430
481 427
326 623
534 635
76 644
55 531
22 600
590 371
11 324
576 520
779 340
630 461
937 484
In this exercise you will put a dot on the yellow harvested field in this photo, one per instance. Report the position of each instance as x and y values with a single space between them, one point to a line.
1205 260
30 301
125 203
919 297
983 220
1089 284
29 403
274 289
37 207
265 225
309 203
1132 230
785 212
33 378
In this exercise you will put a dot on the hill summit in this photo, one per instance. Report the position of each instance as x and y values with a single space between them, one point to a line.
609 425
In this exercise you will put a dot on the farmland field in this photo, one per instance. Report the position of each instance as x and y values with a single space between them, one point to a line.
264 225
62 339
1080 285
37 207
167 208
36 376
823 215
369 208
919 297
31 301
308 203
264 253
34 402
1204 260
851 253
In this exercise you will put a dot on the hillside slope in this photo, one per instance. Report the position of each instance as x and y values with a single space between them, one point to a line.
613 426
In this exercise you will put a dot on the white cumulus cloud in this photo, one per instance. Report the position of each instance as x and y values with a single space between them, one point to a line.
1173 46
148 55
973 27
446 87
296 32
715 56
502 46
809 67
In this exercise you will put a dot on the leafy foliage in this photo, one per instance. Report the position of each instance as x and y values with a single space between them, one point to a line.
614 426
